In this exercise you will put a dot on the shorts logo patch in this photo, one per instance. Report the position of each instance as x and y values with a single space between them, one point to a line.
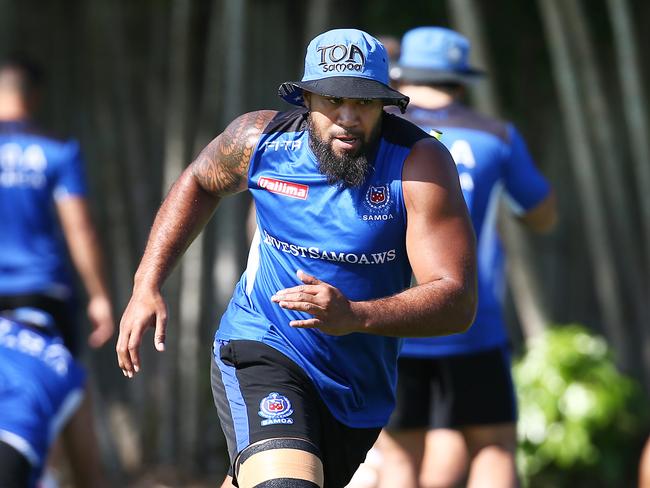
276 409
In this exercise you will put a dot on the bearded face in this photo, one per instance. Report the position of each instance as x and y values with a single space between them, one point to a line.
348 169
342 134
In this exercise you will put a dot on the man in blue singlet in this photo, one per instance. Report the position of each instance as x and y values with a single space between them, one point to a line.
455 393
349 201
41 386
44 217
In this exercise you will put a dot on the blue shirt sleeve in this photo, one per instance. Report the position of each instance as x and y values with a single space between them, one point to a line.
71 175
525 186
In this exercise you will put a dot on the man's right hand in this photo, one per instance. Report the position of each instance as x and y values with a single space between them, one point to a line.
220 169
145 309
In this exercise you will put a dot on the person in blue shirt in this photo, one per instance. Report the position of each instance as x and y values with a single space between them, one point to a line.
349 202
41 386
44 220
456 403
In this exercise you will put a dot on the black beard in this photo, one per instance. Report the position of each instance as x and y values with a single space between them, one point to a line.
348 170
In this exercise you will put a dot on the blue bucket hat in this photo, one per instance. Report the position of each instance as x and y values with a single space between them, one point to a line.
345 63
434 55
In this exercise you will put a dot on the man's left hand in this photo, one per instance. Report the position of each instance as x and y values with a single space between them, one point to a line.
333 313
101 318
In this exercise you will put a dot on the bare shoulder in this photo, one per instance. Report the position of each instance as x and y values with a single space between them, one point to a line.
429 161
430 181
222 166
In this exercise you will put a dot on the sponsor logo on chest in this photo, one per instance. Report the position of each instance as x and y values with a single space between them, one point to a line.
313 252
286 188
22 167
289 145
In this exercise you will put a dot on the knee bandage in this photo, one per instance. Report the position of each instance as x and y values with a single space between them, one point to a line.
275 463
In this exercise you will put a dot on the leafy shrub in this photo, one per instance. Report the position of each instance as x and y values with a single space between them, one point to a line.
581 422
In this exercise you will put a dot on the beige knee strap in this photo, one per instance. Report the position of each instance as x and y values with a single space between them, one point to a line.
279 458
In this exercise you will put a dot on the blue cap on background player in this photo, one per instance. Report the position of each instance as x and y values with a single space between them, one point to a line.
345 63
434 55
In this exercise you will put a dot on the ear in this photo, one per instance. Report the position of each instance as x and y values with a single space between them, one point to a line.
306 96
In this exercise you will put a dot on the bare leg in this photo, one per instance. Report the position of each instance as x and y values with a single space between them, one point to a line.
401 453
492 450
445 459
81 447
367 475
644 467
227 483
56 464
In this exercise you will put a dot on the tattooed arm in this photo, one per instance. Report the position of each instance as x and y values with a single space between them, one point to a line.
221 169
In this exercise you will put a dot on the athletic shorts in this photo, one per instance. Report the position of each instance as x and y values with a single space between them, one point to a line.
62 311
455 391
15 470
262 394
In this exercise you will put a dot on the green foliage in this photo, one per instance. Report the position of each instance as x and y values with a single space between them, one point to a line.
581 421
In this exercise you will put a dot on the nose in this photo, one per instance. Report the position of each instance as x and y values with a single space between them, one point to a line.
348 114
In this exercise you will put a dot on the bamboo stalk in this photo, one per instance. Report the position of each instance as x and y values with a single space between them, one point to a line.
635 111
602 131
176 154
598 240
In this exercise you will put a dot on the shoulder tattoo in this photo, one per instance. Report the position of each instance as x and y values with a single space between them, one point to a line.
222 166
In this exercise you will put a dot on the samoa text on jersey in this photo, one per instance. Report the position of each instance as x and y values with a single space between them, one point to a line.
352 238
34 171
41 385
492 160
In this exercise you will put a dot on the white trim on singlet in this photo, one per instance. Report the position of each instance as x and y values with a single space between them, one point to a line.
253 263
488 232
68 407
21 445
515 207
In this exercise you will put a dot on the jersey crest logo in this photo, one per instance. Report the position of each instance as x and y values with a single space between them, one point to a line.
276 409
286 188
378 197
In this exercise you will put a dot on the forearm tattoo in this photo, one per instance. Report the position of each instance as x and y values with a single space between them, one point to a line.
222 166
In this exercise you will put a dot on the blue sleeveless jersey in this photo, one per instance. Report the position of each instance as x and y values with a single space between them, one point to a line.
353 239
492 160
35 170
41 385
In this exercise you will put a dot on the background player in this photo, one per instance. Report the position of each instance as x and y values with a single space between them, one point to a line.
44 216
41 386
455 393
